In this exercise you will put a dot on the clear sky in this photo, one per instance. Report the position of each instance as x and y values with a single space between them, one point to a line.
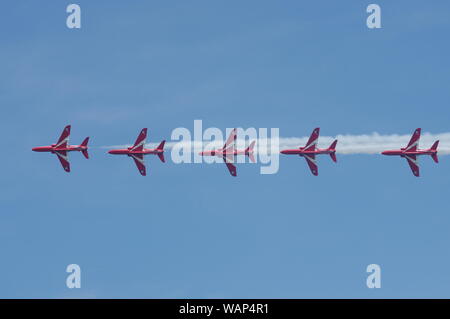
193 230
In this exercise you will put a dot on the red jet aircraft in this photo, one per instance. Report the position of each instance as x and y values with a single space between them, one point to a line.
228 152
137 151
411 152
62 147
310 151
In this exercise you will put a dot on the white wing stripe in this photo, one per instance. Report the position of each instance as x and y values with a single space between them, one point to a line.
416 143
66 158
310 159
138 159
141 143
311 144
415 161
66 140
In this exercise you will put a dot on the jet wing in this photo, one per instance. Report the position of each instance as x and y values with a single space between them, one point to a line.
231 141
414 141
140 164
230 166
140 141
64 138
311 160
414 164
64 159
312 141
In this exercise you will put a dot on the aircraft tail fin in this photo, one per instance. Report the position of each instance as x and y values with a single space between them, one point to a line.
435 158
333 157
434 148
161 146
333 145
249 151
85 143
161 157
333 149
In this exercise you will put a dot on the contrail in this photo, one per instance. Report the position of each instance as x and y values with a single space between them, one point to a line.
373 143
348 144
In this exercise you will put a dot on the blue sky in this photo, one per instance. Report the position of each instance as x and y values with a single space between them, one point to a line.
192 230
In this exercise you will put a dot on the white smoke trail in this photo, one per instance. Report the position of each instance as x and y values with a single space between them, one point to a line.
347 144
373 143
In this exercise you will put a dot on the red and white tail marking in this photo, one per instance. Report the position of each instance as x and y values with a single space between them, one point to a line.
64 138
312 142
140 141
414 142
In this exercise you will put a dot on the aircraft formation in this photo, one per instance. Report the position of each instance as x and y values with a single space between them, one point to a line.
229 152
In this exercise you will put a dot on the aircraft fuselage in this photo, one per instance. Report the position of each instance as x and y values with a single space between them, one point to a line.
52 148
403 153
129 152
299 151
221 153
